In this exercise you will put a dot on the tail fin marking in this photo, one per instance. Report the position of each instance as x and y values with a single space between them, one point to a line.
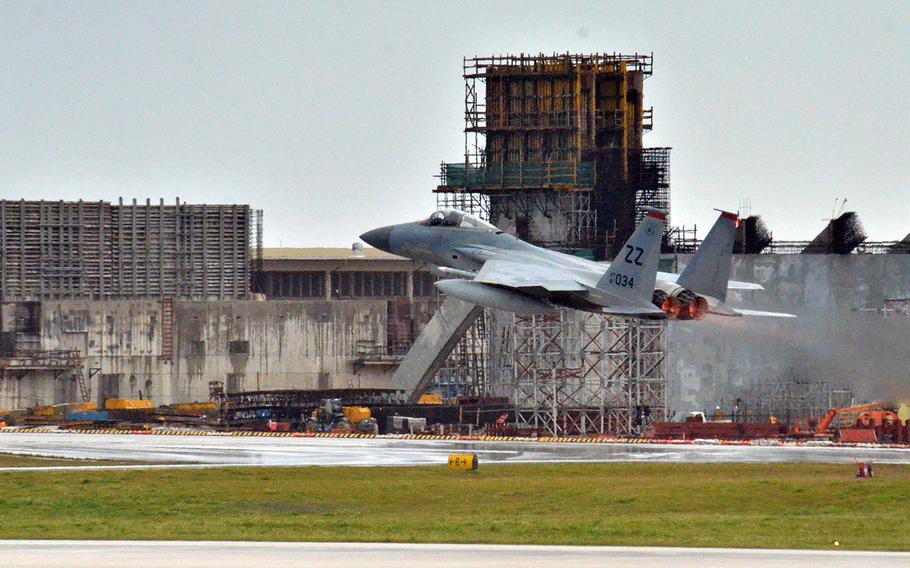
633 272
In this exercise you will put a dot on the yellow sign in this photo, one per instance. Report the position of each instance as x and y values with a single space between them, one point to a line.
464 462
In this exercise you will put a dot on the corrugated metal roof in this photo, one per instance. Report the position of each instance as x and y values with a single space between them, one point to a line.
325 253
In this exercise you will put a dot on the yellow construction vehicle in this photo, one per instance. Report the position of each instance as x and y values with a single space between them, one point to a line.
430 399
331 416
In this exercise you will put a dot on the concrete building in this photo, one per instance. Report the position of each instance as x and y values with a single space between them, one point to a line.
340 318
344 318
329 318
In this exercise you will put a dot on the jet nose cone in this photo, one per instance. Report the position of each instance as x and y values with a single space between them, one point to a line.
378 238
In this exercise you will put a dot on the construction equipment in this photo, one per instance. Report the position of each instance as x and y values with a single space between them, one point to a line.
847 416
428 398
405 425
874 422
331 416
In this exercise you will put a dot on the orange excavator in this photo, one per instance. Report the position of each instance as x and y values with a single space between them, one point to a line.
877 421
847 415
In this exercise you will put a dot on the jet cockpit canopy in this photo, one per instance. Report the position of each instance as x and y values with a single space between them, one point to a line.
456 218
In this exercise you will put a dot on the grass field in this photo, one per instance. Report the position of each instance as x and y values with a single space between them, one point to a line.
791 505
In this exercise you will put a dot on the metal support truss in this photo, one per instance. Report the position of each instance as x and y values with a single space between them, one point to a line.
466 371
572 373
793 399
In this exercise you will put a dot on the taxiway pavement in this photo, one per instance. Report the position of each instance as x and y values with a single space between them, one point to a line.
104 554
225 451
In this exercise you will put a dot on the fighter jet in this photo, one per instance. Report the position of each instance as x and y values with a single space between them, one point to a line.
484 265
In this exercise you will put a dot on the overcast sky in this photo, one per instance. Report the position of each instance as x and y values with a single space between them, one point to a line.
333 117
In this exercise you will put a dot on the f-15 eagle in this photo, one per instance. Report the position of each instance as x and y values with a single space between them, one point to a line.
488 267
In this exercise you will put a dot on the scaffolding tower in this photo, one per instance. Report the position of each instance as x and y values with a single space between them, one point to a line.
553 154
651 181
572 373
553 149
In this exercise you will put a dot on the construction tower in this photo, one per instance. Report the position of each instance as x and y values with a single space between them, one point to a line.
553 149
553 154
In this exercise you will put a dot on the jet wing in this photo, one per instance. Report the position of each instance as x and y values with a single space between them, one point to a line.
526 277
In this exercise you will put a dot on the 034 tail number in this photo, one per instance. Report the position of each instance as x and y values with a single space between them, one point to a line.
622 280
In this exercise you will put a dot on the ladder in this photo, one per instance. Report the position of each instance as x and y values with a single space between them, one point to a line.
83 387
167 329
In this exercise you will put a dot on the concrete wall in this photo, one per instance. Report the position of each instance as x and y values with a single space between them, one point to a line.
291 345
715 359
313 343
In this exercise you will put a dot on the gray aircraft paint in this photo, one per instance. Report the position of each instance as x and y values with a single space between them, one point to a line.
513 275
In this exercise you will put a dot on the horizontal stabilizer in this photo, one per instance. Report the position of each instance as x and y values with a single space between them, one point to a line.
760 313
718 308
731 285
736 285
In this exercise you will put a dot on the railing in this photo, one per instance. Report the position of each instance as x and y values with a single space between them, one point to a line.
683 245
519 175
868 247
382 355
42 359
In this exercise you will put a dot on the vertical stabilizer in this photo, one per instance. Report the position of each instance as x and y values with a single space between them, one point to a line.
708 272
633 272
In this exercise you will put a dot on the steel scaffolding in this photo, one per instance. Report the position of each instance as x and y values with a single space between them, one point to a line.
793 399
573 373
466 371
553 148
650 178
83 250
572 221
477 204
553 155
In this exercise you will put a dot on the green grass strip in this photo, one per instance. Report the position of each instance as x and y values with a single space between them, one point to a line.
724 505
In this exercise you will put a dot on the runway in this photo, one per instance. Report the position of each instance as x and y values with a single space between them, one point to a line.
241 451
104 554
